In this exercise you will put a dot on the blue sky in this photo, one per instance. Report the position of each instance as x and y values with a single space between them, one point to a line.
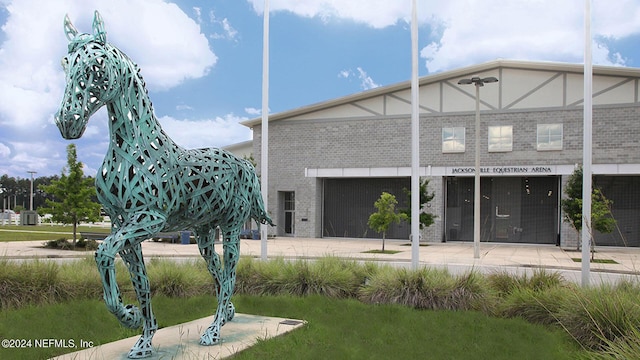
202 60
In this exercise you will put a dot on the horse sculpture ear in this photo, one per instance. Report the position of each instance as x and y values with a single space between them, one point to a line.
98 28
69 29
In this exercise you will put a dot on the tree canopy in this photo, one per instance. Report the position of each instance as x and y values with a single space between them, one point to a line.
601 219
72 195
385 216
426 219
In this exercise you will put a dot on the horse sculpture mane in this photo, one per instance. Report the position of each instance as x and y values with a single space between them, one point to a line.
147 183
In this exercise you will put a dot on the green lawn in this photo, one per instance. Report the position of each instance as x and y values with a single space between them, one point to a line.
43 232
336 329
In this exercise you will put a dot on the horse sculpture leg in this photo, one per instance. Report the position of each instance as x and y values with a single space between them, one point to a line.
126 242
225 279
137 269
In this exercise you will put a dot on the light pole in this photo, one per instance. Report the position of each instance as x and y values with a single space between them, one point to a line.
2 190
2 215
31 194
478 82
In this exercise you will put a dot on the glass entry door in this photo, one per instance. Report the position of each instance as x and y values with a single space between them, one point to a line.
513 209
289 212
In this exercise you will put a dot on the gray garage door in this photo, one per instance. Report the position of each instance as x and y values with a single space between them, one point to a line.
349 202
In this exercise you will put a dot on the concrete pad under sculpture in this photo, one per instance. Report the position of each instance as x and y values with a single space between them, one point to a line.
182 341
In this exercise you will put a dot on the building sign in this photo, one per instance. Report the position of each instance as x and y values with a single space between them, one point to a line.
503 170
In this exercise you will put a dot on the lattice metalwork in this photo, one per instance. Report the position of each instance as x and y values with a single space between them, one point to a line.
148 184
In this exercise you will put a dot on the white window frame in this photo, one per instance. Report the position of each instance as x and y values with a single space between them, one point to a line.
454 143
503 142
548 141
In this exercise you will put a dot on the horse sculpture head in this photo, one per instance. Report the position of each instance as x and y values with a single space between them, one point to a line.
90 76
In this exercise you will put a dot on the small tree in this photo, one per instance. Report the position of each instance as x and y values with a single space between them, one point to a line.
426 219
72 194
385 216
601 219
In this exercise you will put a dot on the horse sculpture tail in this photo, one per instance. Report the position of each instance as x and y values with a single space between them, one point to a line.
258 212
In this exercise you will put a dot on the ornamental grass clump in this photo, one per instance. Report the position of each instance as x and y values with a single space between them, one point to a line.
326 276
623 347
425 288
255 277
471 292
541 307
25 283
80 279
543 279
538 297
188 279
599 316
504 283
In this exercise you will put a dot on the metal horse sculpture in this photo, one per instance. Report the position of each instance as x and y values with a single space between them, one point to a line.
148 184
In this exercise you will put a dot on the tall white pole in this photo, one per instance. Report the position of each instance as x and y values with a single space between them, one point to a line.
264 150
415 142
586 147
476 178
31 194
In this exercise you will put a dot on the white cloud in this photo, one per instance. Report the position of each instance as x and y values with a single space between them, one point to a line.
165 42
5 151
374 13
183 107
469 32
35 156
217 132
510 30
253 111
198 12
366 81
228 31
345 74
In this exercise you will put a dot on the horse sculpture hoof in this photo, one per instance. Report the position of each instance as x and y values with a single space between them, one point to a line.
143 347
211 336
139 353
131 317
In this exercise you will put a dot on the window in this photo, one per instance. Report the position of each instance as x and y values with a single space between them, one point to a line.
452 139
549 137
500 138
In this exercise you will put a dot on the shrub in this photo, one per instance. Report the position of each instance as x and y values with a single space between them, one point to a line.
257 277
541 307
61 243
623 348
28 283
504 283
87 244
543 279
596 317
327 276
173 279
471 292
80 279
421 289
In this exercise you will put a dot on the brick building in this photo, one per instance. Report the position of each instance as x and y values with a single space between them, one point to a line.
328 162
